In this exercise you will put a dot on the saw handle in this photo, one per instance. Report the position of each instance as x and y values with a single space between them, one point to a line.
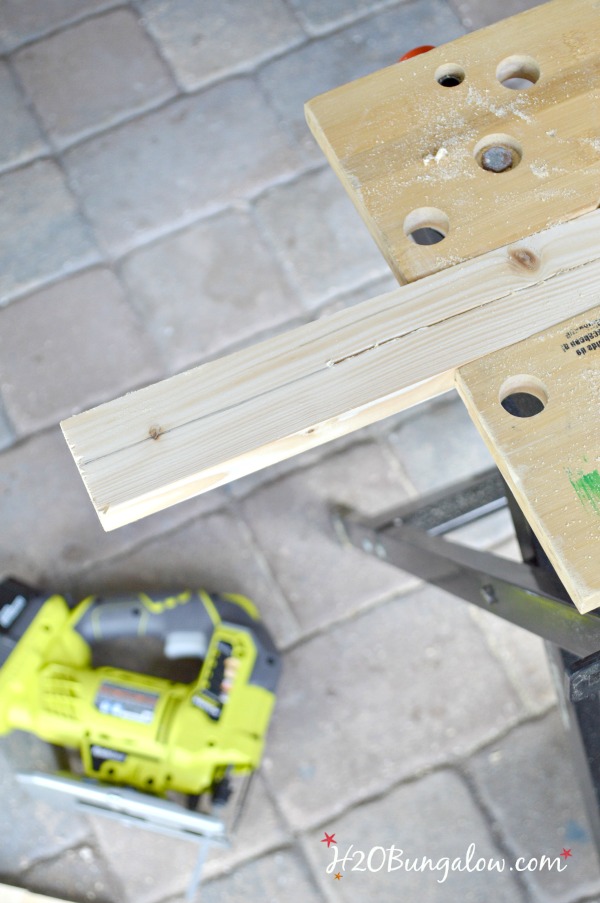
186 623
164 616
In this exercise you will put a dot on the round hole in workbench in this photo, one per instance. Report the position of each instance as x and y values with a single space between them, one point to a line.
426 236
518 72
523 396
522 404
426 225
449 75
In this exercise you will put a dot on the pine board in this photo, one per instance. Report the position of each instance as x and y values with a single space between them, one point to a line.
9 894
180 437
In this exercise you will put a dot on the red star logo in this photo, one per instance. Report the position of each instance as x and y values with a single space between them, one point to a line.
566 853
338 876
328 839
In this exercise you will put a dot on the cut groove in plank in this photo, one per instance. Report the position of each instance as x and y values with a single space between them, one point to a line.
537 406
198 430
410 138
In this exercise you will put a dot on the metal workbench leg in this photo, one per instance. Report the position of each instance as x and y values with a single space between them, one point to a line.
528 594
577 683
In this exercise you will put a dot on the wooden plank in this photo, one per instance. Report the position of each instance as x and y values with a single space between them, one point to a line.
401 142
9 894
200 429
550 459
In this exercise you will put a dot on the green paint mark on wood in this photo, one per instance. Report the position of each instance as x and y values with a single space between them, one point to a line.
587 487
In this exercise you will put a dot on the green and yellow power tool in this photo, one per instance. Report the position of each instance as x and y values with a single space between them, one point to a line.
143 740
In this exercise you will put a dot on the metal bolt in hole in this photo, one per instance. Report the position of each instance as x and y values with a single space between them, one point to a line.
523 396
497 159
488 594
498 153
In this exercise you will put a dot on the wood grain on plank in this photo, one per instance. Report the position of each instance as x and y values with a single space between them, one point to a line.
200 429
402 142
546 440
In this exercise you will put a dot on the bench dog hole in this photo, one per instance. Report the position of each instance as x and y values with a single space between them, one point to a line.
426 225
523 396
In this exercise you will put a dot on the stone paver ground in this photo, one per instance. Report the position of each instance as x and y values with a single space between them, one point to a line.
162 203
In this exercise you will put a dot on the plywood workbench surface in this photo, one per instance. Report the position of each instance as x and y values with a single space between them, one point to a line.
546 440
406 141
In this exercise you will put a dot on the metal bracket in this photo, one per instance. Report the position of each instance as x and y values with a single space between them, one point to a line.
412 538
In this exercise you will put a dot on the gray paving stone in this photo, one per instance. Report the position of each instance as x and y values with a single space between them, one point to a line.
215 552
523 656
92 75
319 17
20 138
280 876
70 346
439 445
384 696
36 203
380 286
260 829
162 170
47 509
477 14
150 866
78 874
20 22
207 288
292 523
528 782
30 829
204 39
434 819
349 54
7 433
319 237
52 529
